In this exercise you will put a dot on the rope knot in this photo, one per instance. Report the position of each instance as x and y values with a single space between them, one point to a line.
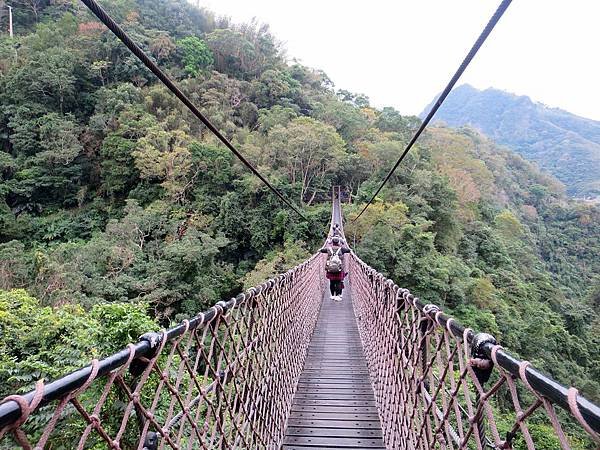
95 420
26 407
430 308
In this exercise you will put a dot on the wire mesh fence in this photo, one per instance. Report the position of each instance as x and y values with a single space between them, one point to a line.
439 385
224 379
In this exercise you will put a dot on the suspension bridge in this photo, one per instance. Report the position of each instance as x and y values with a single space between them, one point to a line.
282 366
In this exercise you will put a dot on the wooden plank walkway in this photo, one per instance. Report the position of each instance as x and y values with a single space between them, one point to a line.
334 405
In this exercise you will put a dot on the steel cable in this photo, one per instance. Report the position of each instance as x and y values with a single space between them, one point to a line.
478 43
107 20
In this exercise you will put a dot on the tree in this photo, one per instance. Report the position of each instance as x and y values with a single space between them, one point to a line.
49 78
358 100
53 172
163 47
196 55
164 156
509 225
274 87
482 293
276 262
392 215
35 6
391 120
353 171
308 151
59 140
22 127
380 154
277 115
118 171
233 53
14 270
215 175
348 121
225 100
43 342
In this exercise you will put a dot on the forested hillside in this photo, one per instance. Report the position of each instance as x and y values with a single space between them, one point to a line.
566 145
121 213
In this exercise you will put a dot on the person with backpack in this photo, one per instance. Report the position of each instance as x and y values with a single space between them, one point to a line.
334 267
336 230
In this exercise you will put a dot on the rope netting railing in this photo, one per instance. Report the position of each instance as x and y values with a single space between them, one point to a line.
440 385
224 379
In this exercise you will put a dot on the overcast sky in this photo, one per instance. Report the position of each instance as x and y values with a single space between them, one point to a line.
403 52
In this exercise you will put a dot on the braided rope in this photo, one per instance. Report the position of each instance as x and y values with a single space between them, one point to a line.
224 379
433 390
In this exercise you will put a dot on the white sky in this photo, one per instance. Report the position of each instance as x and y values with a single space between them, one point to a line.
401 53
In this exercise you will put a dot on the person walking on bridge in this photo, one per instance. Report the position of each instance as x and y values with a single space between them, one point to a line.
334 267
336 230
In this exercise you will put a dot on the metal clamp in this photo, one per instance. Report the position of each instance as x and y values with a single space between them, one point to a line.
482 365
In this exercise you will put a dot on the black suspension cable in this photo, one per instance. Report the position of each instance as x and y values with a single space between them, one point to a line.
478 43
105 18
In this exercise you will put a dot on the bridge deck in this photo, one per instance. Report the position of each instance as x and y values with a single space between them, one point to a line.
334 405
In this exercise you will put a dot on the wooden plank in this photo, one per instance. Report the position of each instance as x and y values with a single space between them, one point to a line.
362 416
334 406
333 383
335 388
330 396
308 382
355 359
313 373
334 409
344 432
321 401
347 391
312 447
338 424
333 442
356 363
345 350
325 371
332 376
332 367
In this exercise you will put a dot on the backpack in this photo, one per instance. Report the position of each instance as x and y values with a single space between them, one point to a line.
334 263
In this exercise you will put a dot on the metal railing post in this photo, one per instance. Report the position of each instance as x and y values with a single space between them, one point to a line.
482 366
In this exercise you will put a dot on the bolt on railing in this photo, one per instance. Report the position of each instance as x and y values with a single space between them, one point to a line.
440 385
224 379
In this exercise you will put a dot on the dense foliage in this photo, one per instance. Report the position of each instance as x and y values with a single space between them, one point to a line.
566 145
117 205
44 342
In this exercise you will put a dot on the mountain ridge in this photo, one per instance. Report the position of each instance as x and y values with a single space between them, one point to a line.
562 143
